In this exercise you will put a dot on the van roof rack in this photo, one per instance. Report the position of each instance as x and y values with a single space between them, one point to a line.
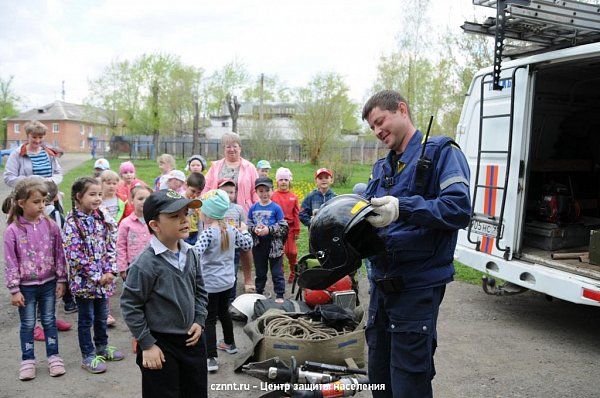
544 25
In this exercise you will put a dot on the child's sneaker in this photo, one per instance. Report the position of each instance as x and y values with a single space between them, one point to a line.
70 307
56 366
212 364
111 353
27 370
38 334
94 364
229 348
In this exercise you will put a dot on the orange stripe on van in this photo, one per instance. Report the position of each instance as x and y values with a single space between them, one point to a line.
494 180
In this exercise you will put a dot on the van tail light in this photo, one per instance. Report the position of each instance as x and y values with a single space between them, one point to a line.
591 294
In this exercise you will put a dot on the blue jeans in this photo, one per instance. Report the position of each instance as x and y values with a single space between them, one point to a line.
43 296
92 312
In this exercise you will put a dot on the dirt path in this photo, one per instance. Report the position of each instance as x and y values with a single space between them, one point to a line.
520 346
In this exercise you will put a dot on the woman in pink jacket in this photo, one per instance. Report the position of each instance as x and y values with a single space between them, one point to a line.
243 173
236 168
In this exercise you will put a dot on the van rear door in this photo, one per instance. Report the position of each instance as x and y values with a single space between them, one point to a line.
496 154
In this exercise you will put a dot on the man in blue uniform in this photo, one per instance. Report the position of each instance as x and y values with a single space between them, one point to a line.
421 199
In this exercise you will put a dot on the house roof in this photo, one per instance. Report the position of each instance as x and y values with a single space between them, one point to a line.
60 110
252 108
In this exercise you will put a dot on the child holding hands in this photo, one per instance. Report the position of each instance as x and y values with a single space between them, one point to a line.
216 246
35 272
89 242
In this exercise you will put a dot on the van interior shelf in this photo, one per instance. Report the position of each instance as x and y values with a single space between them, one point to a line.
542 25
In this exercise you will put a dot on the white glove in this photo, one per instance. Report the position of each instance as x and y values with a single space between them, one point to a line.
386 211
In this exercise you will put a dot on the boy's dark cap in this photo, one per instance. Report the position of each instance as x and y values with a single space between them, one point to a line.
265 181
166 201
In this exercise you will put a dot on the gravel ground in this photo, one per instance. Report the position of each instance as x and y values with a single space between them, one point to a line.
519 346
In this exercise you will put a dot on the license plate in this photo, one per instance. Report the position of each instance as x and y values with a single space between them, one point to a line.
484 228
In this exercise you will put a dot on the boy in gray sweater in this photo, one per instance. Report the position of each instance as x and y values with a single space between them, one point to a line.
164 303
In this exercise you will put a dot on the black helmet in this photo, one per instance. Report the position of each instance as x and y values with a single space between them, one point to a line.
340 237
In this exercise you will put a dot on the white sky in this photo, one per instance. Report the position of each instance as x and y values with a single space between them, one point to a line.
46 42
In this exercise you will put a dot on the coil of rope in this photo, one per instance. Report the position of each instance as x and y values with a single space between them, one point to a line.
280 325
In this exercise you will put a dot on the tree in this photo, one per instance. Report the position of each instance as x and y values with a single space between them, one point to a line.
469 53
433 85
115 95
223 87
421 80
325 110
261 131
8 103
273 90
151 95
180 93
233 106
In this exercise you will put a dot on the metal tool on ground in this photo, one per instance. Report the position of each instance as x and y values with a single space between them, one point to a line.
325 380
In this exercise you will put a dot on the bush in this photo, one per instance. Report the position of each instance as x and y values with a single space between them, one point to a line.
342 170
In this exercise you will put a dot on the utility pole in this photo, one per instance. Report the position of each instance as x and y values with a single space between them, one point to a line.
63 90
261 112
196 133
155 89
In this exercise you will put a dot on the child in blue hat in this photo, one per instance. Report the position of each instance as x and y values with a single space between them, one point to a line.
216 246
263 167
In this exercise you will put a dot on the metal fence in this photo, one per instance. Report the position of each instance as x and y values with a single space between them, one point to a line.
360 151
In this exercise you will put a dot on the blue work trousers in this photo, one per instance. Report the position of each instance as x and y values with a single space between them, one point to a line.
402 338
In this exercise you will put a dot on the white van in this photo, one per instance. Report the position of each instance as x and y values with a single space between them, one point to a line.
536 186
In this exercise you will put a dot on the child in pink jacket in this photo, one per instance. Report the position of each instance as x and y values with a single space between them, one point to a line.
133 235
35 271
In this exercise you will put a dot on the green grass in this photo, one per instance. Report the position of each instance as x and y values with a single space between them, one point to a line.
467 274
84 169
147 171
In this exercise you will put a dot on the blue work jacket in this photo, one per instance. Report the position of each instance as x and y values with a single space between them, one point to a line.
421 242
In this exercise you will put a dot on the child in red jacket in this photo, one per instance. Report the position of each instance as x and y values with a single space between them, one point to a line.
289 203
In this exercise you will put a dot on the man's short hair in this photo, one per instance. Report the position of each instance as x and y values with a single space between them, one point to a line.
386 100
